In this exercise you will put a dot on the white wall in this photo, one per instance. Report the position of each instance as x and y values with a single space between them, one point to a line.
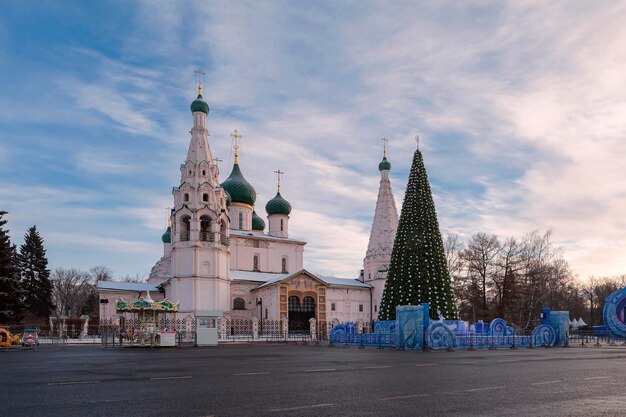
347 301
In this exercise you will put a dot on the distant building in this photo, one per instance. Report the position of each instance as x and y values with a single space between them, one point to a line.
218 256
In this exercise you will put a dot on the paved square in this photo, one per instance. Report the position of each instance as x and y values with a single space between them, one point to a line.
289 380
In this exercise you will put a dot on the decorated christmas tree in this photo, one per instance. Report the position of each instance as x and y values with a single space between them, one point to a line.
418 272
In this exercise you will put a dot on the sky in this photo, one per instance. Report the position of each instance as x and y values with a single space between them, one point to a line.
520 106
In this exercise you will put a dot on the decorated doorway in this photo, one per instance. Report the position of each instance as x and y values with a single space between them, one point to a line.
300 312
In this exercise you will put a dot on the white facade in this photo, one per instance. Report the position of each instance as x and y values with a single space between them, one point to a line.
213 260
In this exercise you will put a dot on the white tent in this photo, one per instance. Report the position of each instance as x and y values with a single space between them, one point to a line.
574 323
581 323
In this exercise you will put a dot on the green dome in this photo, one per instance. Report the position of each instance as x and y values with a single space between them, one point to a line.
278 205
239 189
229 199
167 236
384 165
199 105
257 222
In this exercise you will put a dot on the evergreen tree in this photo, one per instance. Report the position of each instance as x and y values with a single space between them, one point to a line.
418 272
11 294
36 282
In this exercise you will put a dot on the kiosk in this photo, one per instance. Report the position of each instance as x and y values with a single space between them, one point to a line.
207 328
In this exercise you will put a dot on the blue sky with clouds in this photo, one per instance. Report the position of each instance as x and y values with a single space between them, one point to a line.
521 107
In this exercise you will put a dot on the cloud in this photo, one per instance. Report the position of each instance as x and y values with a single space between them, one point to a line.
520 107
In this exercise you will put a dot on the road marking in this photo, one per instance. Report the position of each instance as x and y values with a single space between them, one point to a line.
377 367
598 377
320 370
546 382
303 407
404 396
484 389
252 373
73 382
426 364
160 378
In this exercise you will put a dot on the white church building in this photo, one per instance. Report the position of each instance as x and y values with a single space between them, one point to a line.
218 253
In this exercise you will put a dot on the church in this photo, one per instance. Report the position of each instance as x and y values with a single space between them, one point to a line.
219 253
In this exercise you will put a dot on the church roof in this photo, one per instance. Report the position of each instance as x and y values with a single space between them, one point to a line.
385 221
128 286
240 190
330 281
384 165
199 105
259 235
257 222
278 205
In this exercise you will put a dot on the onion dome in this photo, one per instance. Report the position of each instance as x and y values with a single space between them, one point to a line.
167 236
229 199
257 222
239 189
199 104
278 205
384 165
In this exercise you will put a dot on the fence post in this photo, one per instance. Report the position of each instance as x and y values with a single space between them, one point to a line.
285 329
223 323
255 328
313 329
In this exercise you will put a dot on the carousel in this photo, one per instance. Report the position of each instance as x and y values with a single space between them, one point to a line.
147 323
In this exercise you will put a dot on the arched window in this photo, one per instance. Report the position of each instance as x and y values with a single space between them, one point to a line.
186 197
185 229
308 304
294 303
240 221
255 263
282 225
203 172
205 229
284 266
205 197
239 304
223 237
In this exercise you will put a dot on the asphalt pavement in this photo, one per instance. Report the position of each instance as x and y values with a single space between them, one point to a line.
296 380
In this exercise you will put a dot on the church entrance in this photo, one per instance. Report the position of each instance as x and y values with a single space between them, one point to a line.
300 312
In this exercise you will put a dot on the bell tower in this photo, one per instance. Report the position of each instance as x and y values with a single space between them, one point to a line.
200 243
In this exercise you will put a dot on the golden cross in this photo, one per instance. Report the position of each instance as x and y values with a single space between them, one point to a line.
385 140
236 136
278 174
199 80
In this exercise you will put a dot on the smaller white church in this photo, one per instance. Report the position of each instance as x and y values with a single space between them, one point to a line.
218 255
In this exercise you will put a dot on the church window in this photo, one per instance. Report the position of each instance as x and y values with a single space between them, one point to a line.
203 172
266 313
255 263
369 275
361 307
240 221
205 197
239 304
223 236
205 229
189 172
186 197
332 307
375 308
284 265
282 225
185 229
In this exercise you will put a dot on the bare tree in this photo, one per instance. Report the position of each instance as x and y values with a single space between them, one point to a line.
481 256
71 288
101 273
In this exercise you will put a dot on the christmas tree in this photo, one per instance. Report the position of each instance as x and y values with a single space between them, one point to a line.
418 272
36 282
11 294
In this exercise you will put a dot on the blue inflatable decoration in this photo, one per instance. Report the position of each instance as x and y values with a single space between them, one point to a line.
615 314
439 336
543 335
